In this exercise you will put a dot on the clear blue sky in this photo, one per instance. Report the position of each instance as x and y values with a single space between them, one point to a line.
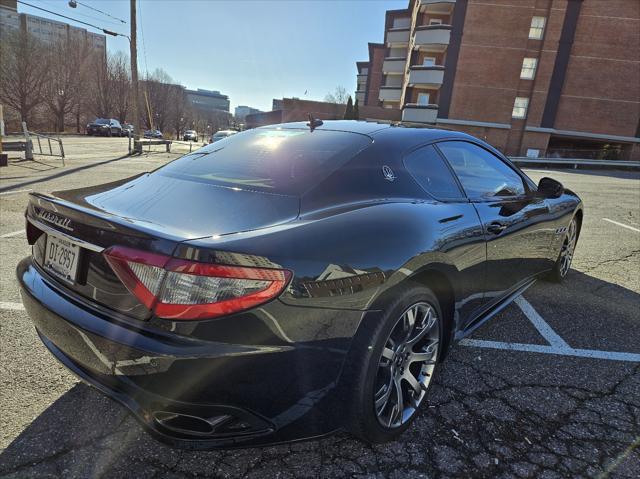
253 51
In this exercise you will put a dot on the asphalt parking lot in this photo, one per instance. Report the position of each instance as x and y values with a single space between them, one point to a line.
549 388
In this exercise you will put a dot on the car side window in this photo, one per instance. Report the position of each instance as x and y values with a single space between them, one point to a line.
483 175
431 172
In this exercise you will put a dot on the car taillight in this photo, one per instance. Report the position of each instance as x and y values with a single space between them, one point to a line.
180 289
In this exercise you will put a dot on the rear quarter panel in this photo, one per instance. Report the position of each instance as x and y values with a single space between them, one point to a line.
346 260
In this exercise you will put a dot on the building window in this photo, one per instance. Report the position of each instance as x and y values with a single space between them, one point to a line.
423 98
536 32
429 61
529 66
520 107
435 21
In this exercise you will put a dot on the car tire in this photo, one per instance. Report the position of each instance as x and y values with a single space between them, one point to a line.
364 370
562 265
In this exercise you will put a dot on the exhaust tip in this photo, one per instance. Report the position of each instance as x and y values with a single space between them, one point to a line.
188 424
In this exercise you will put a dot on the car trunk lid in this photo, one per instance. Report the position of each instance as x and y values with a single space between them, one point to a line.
148 212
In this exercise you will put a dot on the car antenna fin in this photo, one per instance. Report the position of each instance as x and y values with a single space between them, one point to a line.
313 122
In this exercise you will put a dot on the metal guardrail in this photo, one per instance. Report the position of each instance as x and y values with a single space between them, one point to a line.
576 162
138 145
29 147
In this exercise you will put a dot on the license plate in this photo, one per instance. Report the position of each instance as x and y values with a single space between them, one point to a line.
61 258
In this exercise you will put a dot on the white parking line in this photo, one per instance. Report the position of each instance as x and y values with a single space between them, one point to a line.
538 348
557 345
15 192
637 230
11 306
14 233
540 324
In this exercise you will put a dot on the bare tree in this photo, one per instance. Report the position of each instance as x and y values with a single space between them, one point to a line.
339 95
178 113
111 91
158 90
66 78
103 96
120 77
22 73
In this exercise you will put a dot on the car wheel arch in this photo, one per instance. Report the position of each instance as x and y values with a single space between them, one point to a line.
579 214
442 286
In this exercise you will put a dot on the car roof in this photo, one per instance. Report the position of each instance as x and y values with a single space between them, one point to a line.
382 132
351 126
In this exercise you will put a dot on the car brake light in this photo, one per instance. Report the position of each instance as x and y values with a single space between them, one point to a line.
180 289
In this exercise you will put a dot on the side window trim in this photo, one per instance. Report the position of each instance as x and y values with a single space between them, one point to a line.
525 182
463 199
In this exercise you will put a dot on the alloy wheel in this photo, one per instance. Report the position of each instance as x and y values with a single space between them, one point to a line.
406 365
568 248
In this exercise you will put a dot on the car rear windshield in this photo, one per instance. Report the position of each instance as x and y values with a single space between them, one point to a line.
283 161
102 121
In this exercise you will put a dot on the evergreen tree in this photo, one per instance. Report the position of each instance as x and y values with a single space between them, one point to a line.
356 111
348 113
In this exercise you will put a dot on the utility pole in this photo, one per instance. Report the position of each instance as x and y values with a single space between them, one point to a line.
134 76
3 156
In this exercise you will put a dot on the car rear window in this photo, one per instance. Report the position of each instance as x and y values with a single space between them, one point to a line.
284 161
430 171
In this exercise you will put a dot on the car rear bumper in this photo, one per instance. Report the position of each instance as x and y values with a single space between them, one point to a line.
191 392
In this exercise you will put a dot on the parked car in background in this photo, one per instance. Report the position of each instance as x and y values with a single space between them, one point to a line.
190 135
153 134
104 127
127 129
221 135
245 295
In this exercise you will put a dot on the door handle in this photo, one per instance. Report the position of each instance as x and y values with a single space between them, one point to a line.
496 228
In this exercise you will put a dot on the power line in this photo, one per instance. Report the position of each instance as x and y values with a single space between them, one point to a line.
144 47
100 11
97 19
104 30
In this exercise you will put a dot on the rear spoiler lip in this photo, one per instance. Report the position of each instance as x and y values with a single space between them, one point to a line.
97 218
172 245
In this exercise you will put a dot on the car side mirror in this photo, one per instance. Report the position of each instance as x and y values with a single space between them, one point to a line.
550 188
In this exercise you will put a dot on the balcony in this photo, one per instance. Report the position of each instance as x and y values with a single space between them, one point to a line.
360 97
439 7
414 113
390 93
433 38
426 76
393 65
397 37
362 76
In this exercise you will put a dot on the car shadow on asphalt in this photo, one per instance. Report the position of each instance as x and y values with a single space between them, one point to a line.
490 413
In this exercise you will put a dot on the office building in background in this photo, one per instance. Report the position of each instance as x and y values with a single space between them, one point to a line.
46 30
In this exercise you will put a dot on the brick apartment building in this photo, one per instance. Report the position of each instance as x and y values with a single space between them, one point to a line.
532 77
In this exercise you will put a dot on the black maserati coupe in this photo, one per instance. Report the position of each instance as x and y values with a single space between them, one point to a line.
289 281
